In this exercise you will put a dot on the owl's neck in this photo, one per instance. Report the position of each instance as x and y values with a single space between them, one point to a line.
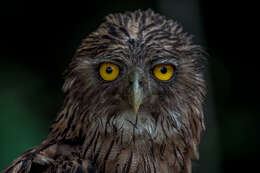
111 153
120 146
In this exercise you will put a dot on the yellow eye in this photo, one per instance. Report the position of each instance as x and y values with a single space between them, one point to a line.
108 71
163 71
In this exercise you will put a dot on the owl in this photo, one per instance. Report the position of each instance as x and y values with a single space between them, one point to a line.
133 102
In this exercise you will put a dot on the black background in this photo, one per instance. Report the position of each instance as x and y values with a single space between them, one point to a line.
39 38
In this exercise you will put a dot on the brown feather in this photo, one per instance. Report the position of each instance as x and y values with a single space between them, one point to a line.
95 131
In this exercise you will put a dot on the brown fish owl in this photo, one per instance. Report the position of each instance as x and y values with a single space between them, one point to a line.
133 102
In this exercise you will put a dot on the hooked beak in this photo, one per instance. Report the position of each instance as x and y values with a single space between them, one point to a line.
135 91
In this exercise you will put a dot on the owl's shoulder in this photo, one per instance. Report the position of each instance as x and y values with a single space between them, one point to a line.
48 158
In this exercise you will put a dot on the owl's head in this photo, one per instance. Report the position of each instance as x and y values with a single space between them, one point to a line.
137 74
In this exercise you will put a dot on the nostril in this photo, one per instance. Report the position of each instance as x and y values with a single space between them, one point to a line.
141 82
131 82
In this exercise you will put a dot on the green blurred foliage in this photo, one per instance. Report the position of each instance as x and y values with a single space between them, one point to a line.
24 101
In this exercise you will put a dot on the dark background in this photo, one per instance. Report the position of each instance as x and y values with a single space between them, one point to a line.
38 39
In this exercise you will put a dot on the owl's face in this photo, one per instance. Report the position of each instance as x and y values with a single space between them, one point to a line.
138 75
129 91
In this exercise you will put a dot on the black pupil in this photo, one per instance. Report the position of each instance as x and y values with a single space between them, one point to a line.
163 70
109 70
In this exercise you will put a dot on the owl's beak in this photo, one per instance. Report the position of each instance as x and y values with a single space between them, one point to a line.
135 92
